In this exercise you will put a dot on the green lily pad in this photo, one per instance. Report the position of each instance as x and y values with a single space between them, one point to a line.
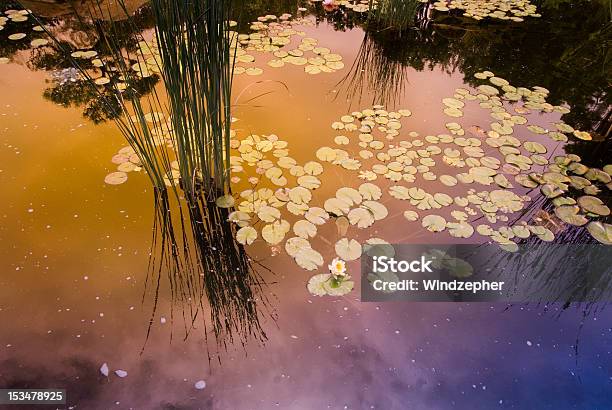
225 201
342 288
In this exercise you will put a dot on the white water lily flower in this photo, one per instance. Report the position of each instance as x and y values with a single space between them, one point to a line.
337 267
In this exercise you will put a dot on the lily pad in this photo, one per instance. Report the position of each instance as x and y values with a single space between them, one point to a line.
343 288
274 233
316 284
434 223
349 195
361 217
246 235
370 191
460 229
308 258
116 178
309 181
593 205
601 231
305 229
296 244
225 201
348 249
570 215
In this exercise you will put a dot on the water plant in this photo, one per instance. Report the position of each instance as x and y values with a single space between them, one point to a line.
179 135
393 14
334 283
385 78
485 178
272 34
196 66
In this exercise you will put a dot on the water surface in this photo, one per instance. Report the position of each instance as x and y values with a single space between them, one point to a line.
75 253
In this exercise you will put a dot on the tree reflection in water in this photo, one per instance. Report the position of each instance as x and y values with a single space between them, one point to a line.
195 259
572 60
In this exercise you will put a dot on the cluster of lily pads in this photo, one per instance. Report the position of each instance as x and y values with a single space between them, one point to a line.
266 212
273 35
492 159
514 10
127 161
272 165
358 6
101 74
13 16
573 187
144 63
149 61
403 163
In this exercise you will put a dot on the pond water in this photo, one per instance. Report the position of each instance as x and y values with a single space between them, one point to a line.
76 250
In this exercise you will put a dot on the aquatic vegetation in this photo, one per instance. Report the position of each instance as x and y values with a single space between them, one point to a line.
488 158
357 6
386 78
196 70
572 61
513 10
127 161
274 35
269 156
601 231
21 31
571 186
179 137
401 14
335 283
486 161
394 14
197 74
271 36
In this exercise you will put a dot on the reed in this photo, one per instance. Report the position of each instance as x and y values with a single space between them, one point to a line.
374 73
393 14
197 65
193 246
377 69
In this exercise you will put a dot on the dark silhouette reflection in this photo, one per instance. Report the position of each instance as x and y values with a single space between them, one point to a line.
569 272
8 48
208 272
195 260
568 275
571 60
67 87
98 106
594 154
386 79
397 15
